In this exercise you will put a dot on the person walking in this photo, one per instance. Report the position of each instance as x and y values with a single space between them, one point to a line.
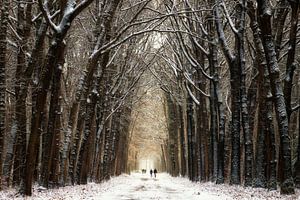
151 172
155 171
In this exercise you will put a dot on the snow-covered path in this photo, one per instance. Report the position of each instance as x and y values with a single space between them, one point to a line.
142 187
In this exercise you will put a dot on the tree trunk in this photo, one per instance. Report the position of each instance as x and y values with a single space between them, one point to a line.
282 11
287 183
38 113
265 110
172 140
290 64
23 31
214 122
271 147
88 140
244 97
108 134
3 49
219 111
55 123
297 164
260 160
236 64
191 138
182 142
213 129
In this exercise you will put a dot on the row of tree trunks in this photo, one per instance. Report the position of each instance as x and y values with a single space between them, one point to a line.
265 17
265 161
54 63
21 117
251 110
84 94
85 137
205 127
239 118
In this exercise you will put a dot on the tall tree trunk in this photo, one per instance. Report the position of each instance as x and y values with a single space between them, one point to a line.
217 115
244 97
271 147
259 179
290 64
236 64
69 142
38 113
182 142
214 115
282 10
265 110
23 30
297 164
218 109
105 175
88 140
213 129
55 123
190 131
172 140
221 143
264 10
3 64
235 126
102 34
260 160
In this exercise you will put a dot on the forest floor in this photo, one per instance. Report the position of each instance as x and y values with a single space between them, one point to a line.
142 187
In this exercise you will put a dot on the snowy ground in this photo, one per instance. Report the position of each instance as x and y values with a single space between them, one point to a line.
142 187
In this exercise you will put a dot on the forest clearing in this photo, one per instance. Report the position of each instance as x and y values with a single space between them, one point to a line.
205 92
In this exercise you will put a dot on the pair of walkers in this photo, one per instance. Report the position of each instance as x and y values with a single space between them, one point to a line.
153 172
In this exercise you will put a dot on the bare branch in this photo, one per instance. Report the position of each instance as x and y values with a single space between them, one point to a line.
231 24
46 13
229 56
191 94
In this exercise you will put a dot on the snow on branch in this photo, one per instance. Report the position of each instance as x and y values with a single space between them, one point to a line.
187 77
127 92
69 13
192 95
220 30
193 38
45 10
193 61
296 108
229 18
80 7
171 64
159 19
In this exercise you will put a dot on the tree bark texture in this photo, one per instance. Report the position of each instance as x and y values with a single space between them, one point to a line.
287 183
3 64
290 64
